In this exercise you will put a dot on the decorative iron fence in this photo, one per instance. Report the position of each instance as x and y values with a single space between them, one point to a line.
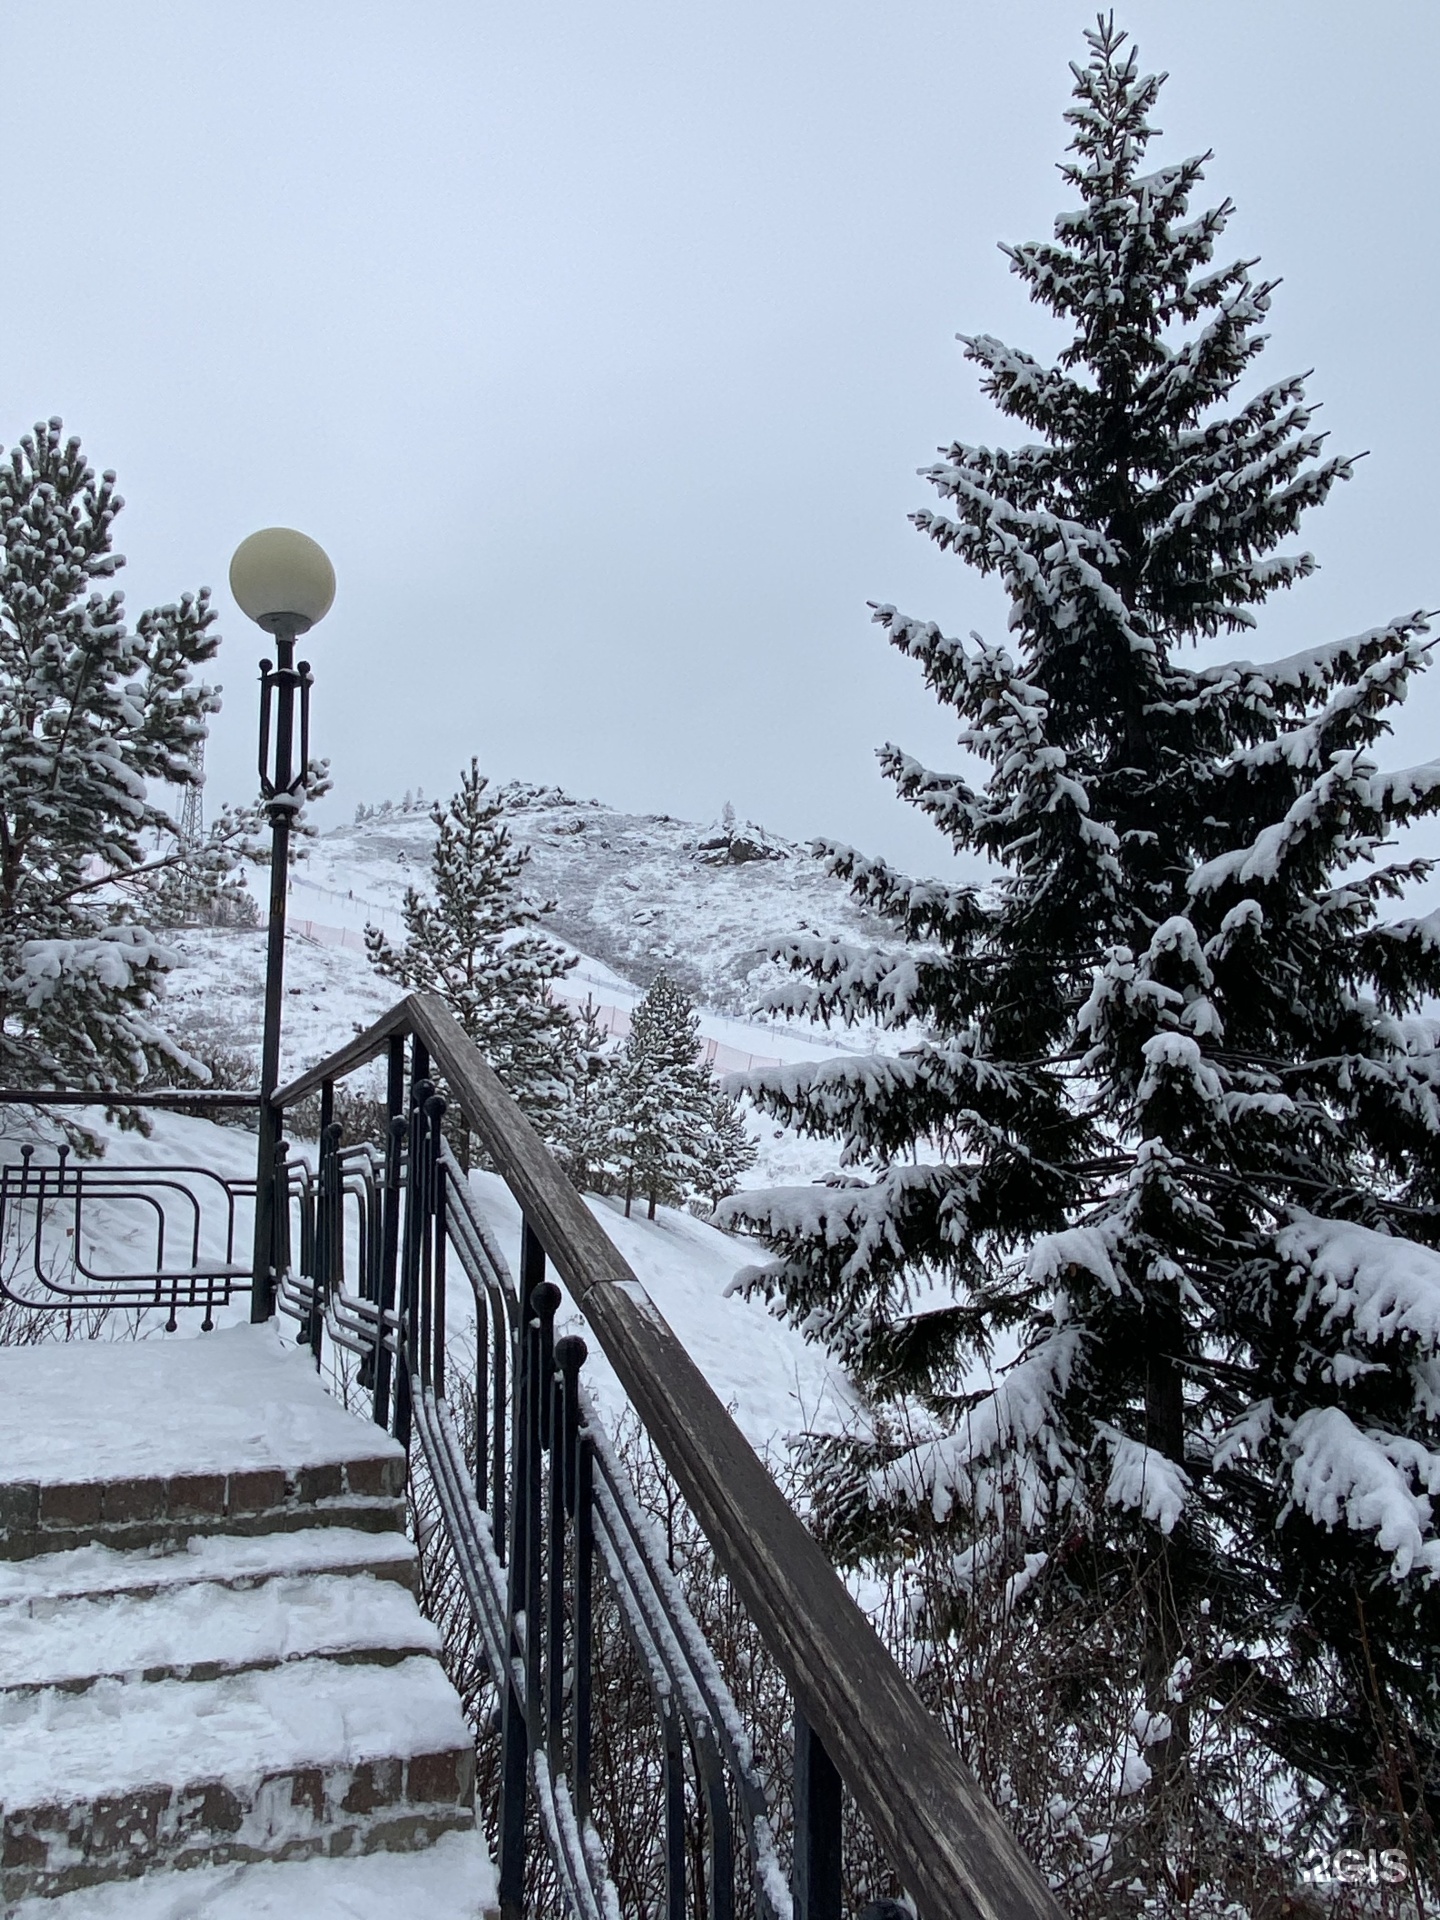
48 1228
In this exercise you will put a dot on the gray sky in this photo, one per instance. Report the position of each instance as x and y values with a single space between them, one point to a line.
600 345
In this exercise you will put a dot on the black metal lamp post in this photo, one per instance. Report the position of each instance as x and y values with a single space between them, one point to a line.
285 583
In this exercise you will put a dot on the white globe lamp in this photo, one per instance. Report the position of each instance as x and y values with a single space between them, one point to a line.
282 580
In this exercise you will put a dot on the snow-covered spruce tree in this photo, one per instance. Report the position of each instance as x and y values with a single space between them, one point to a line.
662 1100
95 718
729 1150
469 940
1169 1121
588 1127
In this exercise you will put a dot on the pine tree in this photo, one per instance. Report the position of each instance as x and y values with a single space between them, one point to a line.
470 942
663 1100
1172 1126
727 1152
588 1130
94 718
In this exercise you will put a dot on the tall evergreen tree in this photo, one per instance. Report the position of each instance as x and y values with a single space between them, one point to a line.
471 942
587 1134
1171 1130
96 718
662 1100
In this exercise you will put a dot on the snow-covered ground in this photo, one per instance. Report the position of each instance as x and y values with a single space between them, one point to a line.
451 1880
239 1400
774 1382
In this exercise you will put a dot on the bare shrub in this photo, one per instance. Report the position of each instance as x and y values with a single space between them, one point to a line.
1035 1675
1036 1683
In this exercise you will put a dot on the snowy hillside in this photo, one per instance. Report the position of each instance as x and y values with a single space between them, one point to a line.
636 892
633 894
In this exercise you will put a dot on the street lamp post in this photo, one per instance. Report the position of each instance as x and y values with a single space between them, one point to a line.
284 582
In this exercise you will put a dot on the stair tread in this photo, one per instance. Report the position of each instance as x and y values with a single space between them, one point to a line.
450 1880
220 1557
202 1625
234 1401
60 1748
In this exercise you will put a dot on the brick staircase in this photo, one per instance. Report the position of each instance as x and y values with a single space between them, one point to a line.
211 1659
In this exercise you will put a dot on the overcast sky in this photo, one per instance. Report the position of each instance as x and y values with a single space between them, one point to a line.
599 345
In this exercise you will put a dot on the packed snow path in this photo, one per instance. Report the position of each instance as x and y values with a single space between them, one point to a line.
210 1654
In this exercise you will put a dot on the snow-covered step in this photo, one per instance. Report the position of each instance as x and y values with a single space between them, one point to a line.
317 1757
451 1880
222 1559
200 1631
150 1441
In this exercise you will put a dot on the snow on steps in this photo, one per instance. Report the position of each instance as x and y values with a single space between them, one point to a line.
221 1682
134 1443
321 1758
224 1561
452 1880
200 1631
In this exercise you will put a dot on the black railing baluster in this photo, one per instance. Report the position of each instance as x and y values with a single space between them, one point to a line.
390 1239
817 1826
515 1732
305 1204
539 1362
324 1236
280 1212
549 1437
584 1646
480 1462
320 1244
412 1230
555 1610
500 1350
673 1767
416 1210
565 1505
329 1269
314 1266
569 1358
720 1842
437 1275
422 1189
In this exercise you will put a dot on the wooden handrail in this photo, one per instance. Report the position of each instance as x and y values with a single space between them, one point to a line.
946 1842
358 1052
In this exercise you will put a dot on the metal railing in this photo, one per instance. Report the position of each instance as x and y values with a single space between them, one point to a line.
533 1502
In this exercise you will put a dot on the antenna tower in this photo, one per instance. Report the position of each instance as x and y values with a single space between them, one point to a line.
192 810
